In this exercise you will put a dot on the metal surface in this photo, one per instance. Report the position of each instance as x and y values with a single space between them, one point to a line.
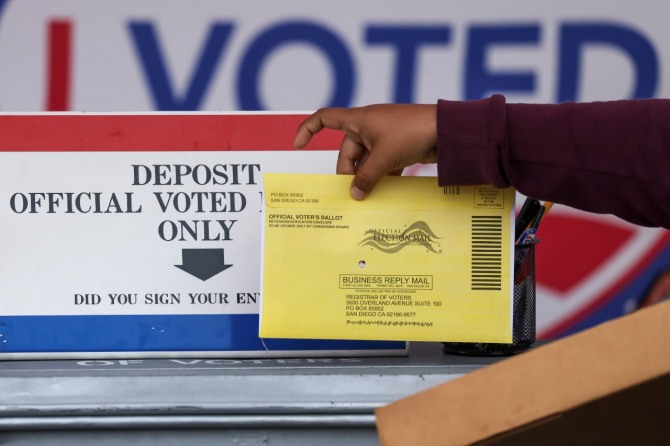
213 401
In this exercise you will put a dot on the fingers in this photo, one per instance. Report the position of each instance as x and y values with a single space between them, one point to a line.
368 175
355 157
332 118
307 129
351 155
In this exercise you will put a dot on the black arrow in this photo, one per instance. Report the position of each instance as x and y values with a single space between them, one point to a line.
203 263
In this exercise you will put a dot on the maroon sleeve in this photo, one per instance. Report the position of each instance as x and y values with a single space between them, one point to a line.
604 157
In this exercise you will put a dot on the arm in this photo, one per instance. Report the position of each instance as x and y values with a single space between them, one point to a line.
604 157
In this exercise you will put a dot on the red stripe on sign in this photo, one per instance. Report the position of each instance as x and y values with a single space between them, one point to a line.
155 132
642 263
58 65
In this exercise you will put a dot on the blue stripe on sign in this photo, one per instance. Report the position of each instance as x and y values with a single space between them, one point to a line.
233 332
3 3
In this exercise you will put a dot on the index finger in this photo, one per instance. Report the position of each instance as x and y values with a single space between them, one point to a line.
332 118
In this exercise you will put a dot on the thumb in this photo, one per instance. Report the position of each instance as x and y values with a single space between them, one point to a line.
367 177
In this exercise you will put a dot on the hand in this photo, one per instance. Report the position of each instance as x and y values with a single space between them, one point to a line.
379 140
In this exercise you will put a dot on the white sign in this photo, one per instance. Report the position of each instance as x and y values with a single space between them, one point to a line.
116 242
136 233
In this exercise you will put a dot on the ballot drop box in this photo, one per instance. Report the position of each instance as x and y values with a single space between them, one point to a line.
138 235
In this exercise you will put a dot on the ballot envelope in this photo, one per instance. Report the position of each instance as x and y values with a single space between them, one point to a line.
413 261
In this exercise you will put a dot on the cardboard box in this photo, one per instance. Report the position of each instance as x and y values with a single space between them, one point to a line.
607 385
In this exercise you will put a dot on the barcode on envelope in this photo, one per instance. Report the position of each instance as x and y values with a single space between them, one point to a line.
452 190
486 273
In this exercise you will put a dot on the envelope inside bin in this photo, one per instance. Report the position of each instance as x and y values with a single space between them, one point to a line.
412 262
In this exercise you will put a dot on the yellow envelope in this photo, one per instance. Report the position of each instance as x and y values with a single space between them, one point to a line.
412 262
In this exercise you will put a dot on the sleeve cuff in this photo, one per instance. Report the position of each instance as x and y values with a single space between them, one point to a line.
470 135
